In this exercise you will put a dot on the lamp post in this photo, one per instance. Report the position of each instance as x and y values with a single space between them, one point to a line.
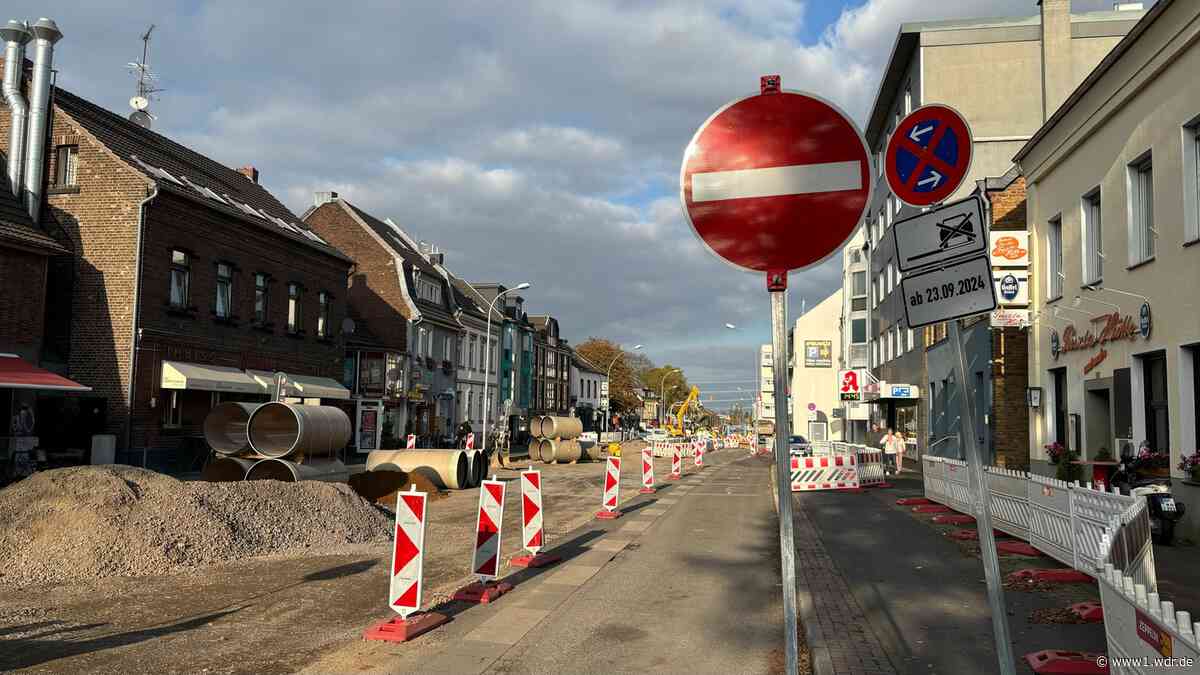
487 360
662 392
608 381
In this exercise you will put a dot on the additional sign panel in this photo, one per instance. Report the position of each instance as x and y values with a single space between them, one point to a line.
1009 248
850 388
1003 317
408 553
957 290
953 231
818 353
776 181
485 563
928 155
532 532
612 483
1012 287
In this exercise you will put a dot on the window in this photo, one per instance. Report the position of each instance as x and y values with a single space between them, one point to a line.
67 165
874 293
1054 261
891 277
428 289
907 99
260 298
858 331
1093 240
323 314
858 291
295 312
180 275
1191 182
911 340
224 290
474 344
890 211
1141 204
172 411
879 160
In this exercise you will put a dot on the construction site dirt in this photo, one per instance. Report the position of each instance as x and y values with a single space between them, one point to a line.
268 614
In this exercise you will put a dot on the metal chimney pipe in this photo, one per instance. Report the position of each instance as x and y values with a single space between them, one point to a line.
45 34
15 35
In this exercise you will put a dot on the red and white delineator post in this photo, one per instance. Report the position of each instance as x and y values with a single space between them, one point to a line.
404 591
533 534
676 462
471 441
612 487
485 563
410 442
698 461
647 472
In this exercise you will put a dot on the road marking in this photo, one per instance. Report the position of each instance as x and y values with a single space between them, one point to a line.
508 625
799 179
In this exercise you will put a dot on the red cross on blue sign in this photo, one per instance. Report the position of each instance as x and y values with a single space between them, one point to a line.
928 155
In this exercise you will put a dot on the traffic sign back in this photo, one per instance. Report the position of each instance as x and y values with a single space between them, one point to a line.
928 155
776 181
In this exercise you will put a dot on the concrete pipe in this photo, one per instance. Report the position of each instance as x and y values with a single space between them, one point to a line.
547 450
476 471
535 426
567 451
278 429
226 470
225 427
590 451
329 471
446 469
561 427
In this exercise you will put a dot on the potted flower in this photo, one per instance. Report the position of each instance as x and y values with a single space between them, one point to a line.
1190 464
1055 451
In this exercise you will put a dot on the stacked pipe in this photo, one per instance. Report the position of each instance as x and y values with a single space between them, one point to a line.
276 441
556 441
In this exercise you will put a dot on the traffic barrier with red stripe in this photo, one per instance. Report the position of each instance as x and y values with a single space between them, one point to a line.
824 473
612 488
647 472
533 533
676 464
404 590
471 441
485 563
699 460
410 442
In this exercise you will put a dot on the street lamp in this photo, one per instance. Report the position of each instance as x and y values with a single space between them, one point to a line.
731 326
487 360
608 380
662 392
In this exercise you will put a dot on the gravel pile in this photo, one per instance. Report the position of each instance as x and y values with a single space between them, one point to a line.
84 523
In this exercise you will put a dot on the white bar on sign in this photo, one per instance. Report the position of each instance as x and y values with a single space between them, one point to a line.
776 181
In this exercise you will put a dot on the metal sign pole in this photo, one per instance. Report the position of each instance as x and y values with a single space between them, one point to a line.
777 284
983 516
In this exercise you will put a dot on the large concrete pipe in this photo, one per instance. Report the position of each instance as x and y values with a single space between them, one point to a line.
329 471
446 469
278 429
535 426
566 451
475 468
590 451
225 427
226 470
561 427
546 450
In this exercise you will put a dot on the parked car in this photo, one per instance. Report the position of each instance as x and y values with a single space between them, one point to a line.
798 445
654 435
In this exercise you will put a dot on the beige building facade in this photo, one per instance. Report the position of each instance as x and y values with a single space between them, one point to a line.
1113 195
817 345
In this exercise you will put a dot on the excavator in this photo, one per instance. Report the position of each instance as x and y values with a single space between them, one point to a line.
676 429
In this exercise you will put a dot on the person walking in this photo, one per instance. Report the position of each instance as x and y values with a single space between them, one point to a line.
889 452
899 445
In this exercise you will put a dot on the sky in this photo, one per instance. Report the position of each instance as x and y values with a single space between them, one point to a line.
532 141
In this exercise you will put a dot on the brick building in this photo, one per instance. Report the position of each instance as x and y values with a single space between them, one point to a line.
551 368
212 274
400 296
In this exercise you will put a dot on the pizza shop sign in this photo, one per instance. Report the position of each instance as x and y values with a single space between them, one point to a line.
1114 328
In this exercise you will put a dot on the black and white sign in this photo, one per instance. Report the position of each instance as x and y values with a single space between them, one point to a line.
954 231
959 289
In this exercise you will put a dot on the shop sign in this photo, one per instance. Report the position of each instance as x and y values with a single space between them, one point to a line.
902 391
1002 317
1095 361
1012 287
850 388
1055 344
818 354
1116 327
1144 320
1009 248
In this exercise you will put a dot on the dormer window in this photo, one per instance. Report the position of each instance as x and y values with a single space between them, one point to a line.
427 289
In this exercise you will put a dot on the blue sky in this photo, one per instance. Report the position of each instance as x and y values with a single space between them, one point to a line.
533 141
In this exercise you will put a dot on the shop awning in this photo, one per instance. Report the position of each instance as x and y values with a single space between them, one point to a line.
302 386
17 373
180 375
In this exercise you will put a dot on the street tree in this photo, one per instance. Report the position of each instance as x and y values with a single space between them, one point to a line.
624 383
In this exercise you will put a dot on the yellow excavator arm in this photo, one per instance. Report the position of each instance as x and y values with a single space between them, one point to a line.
677 428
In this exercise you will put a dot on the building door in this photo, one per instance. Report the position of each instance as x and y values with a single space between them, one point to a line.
1059 376
1158 418
1097 422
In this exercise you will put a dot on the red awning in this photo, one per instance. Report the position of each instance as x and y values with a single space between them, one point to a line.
17 373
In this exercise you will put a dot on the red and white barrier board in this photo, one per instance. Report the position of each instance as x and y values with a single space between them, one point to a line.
612 487
471 441
485 563
699 457
647 471
404 590
533 534
836 472
676 463
410 442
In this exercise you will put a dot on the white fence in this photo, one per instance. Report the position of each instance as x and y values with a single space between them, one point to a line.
1104 534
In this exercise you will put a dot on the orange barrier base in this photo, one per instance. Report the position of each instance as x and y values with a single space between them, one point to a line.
647 491
1059 662
535 560
403 630
481 593
608 515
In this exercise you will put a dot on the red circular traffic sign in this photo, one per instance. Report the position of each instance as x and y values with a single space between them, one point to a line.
928 155
776 181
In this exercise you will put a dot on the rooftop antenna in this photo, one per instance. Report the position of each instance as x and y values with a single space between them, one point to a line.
146 85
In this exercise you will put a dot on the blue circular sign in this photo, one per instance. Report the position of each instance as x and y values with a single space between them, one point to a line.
1009 287
1144 320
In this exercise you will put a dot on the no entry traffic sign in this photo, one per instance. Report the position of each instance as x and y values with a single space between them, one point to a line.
928 155
777 181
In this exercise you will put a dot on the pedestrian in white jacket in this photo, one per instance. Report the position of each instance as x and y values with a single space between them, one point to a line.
889 451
